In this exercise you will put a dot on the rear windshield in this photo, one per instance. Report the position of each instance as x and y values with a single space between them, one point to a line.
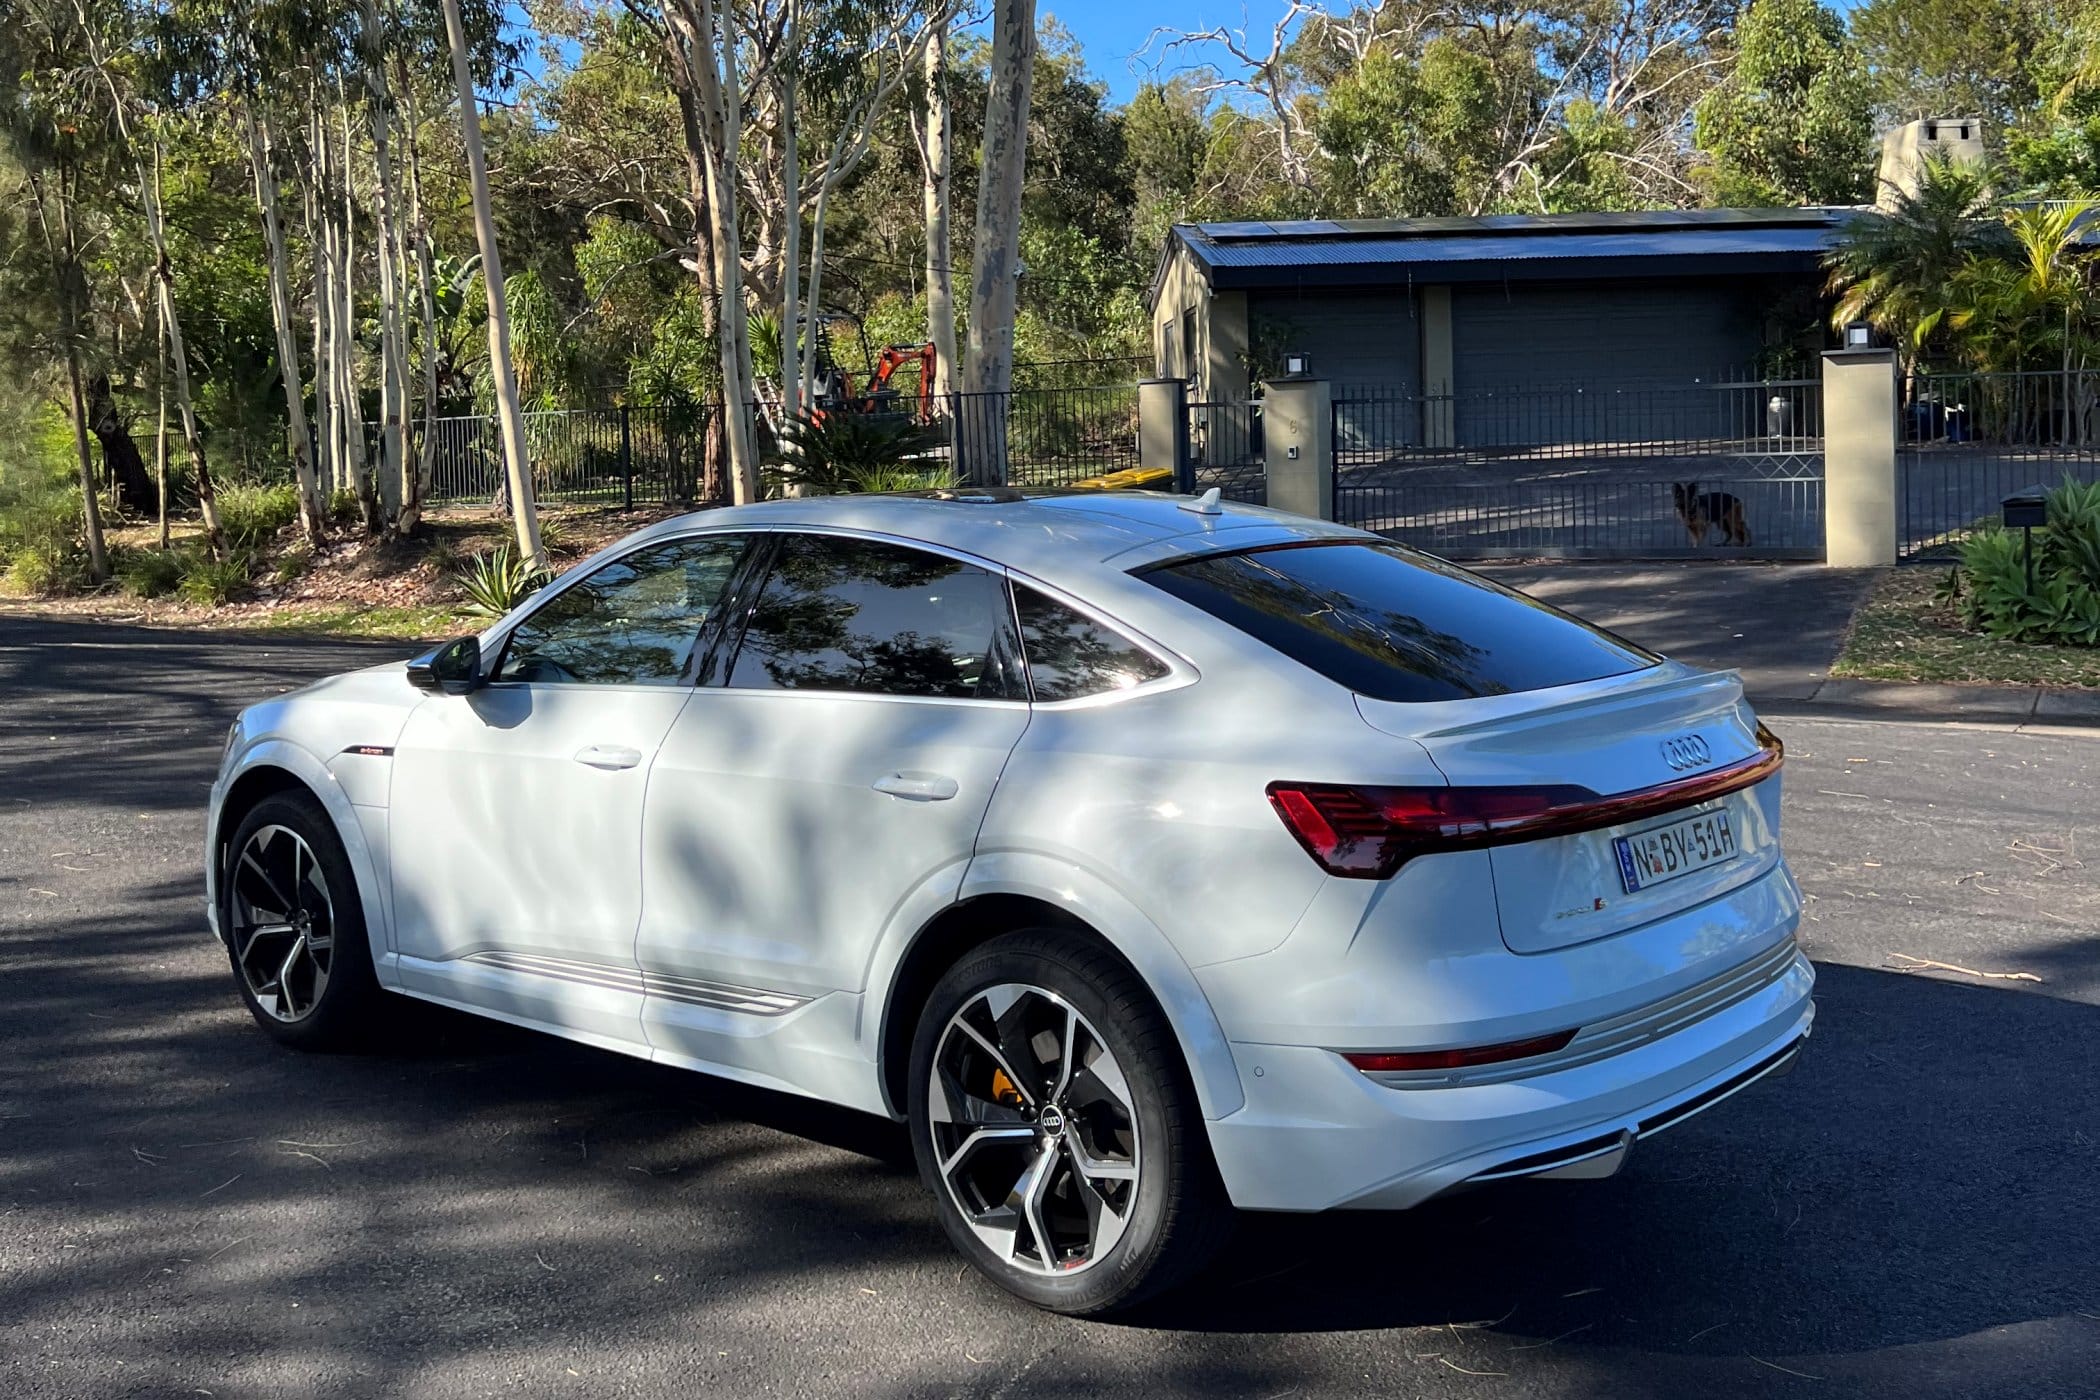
1392 624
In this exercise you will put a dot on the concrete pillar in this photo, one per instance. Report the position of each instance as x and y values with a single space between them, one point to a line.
1438 424
1163 428
1298 440
1859 458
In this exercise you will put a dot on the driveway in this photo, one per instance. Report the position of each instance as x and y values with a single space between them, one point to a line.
1781 625
187 1209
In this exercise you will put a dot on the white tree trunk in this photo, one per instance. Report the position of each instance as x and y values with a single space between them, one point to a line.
709 35
419 232
518 472
988 371
313 516
794 355
394 468
816 288
936 161
347 390
160 434
328 460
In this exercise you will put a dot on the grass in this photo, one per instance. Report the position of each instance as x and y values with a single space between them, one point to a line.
413 624
1903 634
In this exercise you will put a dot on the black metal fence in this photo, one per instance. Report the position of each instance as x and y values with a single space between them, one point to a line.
1586 471
1045 437
645 456
1970 440
583 456
1592 517
1644 421
1225 449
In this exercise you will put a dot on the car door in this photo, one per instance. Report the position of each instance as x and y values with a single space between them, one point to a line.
515 812
832 778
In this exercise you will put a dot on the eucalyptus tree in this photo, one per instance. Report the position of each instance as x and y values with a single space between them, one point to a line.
995 268
839 65
517 469
63 148
933 135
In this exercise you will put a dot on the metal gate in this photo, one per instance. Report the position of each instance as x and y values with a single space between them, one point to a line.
1971 440
1729 468
1224 449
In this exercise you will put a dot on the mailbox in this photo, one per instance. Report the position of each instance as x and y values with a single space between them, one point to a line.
2027 510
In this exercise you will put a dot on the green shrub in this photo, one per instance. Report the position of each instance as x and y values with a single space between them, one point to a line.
840 453
250 515
34 574
344 508
2061 605
555 535
150 573
498 581
212 582
907 477
292 565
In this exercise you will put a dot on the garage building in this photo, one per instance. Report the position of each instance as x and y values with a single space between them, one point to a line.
1489 322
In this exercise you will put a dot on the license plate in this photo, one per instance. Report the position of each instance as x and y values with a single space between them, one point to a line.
1663 853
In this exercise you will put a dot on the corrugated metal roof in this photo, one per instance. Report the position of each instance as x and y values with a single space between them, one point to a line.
1507 247
1321 230
1810 239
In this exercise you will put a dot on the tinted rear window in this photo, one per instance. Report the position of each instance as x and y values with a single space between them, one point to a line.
1395 625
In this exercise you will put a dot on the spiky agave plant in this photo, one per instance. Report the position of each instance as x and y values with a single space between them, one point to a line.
498 581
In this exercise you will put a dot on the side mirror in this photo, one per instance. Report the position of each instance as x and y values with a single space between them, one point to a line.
453 669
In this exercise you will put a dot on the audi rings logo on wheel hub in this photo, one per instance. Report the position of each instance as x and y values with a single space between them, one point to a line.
1688 751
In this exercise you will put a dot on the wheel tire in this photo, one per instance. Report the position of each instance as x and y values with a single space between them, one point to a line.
1175 1214
329 999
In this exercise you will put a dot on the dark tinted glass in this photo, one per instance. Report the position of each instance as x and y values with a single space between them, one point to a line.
633 622
1395 625
843 614
1070 655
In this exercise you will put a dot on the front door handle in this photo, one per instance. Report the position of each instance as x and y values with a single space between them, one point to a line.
610 757
918 787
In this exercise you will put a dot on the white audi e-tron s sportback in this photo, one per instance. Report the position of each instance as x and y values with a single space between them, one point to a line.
1150 857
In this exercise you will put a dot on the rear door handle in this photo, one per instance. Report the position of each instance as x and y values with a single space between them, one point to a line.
610 757
918 787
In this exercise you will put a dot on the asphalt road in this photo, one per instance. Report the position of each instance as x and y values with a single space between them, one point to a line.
187 1209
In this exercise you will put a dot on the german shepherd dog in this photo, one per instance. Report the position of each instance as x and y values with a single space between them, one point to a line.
1702 510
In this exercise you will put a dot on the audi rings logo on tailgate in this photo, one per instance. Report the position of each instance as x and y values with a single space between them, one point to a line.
1688 751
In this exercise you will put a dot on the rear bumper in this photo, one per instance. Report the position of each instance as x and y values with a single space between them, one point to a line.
1317 1134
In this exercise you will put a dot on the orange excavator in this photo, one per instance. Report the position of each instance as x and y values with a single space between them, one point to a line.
836 392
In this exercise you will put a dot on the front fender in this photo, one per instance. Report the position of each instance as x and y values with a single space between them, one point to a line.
365 865
1101 907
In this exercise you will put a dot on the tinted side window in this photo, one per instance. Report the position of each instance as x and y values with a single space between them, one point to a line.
633 622
1396 625
1070 655
879 619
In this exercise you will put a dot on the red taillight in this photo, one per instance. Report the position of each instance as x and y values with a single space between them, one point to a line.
1367 833
1382 1062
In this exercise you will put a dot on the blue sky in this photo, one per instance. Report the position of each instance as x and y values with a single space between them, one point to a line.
1112 31
1116 33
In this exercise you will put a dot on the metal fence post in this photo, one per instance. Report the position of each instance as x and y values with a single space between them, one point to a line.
627 455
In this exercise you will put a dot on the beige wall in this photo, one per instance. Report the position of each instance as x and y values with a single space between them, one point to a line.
1859 458
1218 369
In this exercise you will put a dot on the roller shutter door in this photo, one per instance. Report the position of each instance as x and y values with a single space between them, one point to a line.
1597 362
1368 345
